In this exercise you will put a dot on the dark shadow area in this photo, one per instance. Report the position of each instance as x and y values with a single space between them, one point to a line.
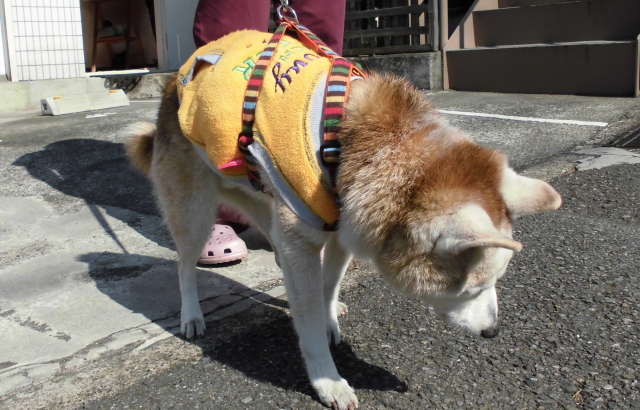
96 171
264 347
99 172
267 350
149 285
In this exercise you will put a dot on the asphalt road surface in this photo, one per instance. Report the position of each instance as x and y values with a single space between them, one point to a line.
89 300
570 333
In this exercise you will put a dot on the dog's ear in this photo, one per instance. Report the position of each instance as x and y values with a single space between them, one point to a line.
471 227
526 196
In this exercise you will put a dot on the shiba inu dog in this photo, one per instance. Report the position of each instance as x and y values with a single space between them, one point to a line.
431 209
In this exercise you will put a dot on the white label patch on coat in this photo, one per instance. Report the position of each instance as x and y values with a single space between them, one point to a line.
530 119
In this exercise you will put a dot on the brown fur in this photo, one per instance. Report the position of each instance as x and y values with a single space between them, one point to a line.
394 144
139 147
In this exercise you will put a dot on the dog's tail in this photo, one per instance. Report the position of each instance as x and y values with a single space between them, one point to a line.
139 145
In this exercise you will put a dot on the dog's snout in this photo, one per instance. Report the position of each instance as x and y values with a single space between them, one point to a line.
491 332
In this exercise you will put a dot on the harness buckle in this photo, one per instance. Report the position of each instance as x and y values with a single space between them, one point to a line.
284 6
330 153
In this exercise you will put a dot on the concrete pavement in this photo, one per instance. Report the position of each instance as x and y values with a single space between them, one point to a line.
87 267
569 337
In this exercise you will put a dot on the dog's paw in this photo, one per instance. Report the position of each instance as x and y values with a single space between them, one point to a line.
336 394
341 309
192 324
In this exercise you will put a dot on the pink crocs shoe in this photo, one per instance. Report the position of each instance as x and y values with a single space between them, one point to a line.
222 246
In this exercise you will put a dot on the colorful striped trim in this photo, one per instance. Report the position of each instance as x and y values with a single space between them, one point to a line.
335 97
256 79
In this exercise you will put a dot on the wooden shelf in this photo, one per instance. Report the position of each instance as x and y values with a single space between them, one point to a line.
131 28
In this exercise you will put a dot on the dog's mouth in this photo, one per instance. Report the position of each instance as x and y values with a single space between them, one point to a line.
477 316
462 327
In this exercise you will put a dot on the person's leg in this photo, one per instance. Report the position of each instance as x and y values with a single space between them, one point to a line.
217 18
324 18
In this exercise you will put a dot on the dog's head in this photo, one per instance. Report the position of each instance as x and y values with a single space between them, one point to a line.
431 208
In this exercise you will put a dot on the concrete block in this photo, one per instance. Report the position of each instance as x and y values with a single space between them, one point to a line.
75 362
227 299
94 352
96 85
273 293
41 89
209 306
66 104
26 95
169 323
424 70
245 304
231 310
605 157
14 97
150 86
152 329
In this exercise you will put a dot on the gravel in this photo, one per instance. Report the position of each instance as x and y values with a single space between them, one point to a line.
570 332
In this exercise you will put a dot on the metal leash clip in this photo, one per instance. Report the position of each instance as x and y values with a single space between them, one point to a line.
284 6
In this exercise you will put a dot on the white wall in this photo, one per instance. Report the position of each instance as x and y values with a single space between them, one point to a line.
47 38
4 59
175 19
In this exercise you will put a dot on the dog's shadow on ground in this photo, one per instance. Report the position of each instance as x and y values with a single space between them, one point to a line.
263 345
264 348
260 342
99 172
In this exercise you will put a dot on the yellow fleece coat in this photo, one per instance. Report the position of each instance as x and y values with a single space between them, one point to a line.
211 88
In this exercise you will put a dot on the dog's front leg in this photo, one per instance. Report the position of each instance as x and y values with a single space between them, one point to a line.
300 263
334 265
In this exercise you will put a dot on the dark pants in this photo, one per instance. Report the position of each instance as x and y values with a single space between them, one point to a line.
217 18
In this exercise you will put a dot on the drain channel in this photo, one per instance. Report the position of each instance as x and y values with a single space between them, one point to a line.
631 140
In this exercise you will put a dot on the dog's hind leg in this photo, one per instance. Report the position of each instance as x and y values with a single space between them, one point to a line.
189 247
334 265
188 200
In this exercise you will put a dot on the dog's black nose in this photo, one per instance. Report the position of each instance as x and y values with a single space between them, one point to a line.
491 332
